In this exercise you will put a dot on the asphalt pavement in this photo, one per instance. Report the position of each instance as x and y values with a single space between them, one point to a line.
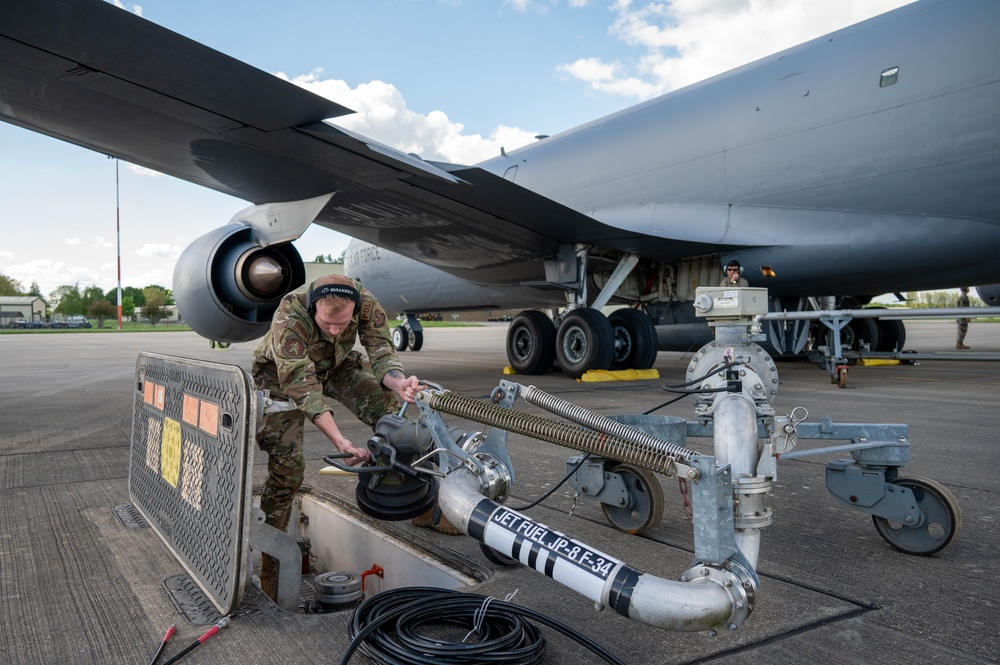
78 587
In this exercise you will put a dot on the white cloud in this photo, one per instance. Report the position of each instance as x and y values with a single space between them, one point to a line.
381 114
101 242
685 41
142 170
136 9
158 250
71 241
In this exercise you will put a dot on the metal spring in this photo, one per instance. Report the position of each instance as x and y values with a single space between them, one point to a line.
552 431
596 421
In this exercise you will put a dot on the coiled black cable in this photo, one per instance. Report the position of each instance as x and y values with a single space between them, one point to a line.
387 628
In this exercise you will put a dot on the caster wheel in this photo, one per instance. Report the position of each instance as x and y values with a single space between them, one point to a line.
941 523
647 501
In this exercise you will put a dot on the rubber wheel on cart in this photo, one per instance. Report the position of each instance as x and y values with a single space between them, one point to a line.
940 525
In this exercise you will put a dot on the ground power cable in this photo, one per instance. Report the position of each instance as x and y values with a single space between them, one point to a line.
391 628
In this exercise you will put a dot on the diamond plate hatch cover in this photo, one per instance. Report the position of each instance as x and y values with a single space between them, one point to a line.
189 466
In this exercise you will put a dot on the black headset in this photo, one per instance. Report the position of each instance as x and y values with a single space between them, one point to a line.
327 290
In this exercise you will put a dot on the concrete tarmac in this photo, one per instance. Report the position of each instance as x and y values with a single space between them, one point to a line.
77 587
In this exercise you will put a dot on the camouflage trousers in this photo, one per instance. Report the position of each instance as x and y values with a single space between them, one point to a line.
351 383
963 329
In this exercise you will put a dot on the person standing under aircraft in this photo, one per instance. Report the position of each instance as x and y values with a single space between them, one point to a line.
733 275
963 324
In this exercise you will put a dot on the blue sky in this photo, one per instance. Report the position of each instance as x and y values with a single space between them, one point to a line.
447 79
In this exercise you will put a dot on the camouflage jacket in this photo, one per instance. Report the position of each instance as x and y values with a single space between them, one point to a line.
297 355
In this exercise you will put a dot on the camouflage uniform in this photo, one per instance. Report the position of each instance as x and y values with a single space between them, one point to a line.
297 361
963 324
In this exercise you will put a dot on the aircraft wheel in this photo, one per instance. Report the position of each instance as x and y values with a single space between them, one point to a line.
497 557
856 334
415 340
842 378
399 338
941 523
583 342
634 336
647 501
892 335
531 342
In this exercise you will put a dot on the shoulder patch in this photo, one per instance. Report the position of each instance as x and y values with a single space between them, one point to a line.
294 347
378 318
366 310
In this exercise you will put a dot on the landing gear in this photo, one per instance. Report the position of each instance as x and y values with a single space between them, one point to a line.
856 334
399 338
634 338
643 507
531 343
891 335
940 523
583 342
408 336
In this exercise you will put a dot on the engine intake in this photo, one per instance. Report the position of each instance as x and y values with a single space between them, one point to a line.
227 287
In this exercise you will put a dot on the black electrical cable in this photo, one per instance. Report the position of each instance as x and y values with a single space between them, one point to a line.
387 628
667 403
725 365
557 486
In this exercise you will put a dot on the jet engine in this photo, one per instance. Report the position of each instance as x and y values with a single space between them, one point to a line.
227 286
989 294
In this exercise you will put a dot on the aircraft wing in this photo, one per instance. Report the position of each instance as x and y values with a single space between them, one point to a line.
100 77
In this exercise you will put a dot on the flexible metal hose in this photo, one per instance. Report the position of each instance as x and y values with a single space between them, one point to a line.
596 421
564 434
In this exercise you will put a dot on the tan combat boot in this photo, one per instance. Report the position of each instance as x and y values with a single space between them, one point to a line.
433 519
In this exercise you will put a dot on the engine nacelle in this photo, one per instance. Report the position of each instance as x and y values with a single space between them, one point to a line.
989 294
227 286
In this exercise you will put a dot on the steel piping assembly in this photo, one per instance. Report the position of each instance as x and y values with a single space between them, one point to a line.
705 599
714 596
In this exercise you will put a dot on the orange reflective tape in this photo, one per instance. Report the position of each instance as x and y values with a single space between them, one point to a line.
209 418
189 409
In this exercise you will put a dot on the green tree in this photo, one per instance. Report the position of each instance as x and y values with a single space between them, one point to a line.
128 307
138 298
35 290
66 300
156 301
102 309
9 286
166 292
90 295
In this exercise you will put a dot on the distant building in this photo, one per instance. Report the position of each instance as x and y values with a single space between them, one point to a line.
29 308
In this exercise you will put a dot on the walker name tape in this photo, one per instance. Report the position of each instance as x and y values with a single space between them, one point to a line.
568 561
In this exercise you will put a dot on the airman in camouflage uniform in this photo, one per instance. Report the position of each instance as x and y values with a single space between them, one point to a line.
963 324
305 356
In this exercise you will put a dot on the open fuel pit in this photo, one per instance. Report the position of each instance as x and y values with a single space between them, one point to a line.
350 559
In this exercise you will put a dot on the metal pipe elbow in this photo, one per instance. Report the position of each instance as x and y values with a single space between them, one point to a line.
706 598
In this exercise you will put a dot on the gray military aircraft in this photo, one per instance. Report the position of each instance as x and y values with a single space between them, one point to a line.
859 163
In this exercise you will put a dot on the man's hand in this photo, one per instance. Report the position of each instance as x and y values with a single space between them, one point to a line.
325 423
406 387
358 454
